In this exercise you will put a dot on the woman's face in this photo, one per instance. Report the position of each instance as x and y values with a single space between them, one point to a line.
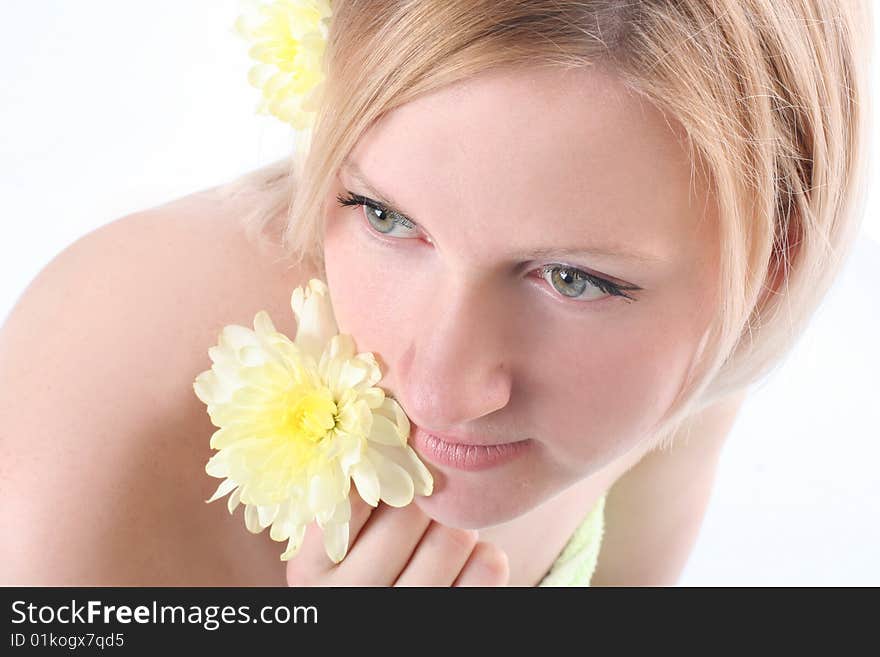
508 188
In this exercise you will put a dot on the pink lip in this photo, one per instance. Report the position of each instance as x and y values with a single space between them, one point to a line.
452 451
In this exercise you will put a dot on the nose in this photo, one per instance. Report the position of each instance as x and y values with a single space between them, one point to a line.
455 369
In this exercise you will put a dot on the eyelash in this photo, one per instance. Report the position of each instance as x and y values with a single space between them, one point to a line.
357 199
605 286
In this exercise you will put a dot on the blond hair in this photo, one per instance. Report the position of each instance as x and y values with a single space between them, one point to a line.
771 94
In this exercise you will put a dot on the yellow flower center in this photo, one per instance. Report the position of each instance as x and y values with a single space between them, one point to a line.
311 415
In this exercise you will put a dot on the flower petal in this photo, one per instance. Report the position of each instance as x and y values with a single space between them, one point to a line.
366 480
351 453
217 465
315 321
269 376
336 540
284 524
266 514
374 373
385 432
234 337
252 519
341 346
234 500
406 458
354 418
391 409
211 389
251 356
395 484
299 512
373 396
263 324
351 370
323 492
342 512
225 486
294 543
352 374
336 531
238 433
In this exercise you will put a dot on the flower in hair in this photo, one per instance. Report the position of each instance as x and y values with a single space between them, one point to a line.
288 37
298 421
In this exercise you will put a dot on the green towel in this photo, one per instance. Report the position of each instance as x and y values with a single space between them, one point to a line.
575 564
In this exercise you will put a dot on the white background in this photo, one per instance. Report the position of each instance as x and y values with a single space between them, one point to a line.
109 107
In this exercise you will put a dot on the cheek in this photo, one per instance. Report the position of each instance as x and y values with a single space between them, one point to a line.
343 263
608 397
364 286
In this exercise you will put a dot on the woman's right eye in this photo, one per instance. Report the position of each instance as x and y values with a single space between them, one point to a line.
382 219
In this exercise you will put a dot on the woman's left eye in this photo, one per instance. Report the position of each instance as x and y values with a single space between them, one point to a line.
382 219
578 284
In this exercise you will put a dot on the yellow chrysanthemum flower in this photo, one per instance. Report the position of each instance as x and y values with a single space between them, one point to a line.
298 421
289 37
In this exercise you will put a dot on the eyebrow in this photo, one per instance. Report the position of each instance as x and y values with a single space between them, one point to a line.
594 251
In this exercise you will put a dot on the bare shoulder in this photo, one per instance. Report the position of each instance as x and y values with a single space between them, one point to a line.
104 441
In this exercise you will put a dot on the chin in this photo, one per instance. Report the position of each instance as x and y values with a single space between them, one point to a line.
455 504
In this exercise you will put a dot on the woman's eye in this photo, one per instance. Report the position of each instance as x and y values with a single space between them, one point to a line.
381 219
577 284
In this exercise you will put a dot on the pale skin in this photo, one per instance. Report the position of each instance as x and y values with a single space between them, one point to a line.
104 459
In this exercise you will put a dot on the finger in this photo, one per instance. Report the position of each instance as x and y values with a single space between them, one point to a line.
312 559
439 556
487 566
383 546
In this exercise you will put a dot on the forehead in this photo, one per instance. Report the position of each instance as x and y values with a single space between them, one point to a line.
571 158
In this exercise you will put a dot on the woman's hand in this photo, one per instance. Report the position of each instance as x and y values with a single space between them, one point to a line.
399 547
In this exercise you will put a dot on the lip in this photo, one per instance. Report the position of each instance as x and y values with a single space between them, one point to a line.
457 453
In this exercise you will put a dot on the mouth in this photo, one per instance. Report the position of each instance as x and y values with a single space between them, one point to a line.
469 454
